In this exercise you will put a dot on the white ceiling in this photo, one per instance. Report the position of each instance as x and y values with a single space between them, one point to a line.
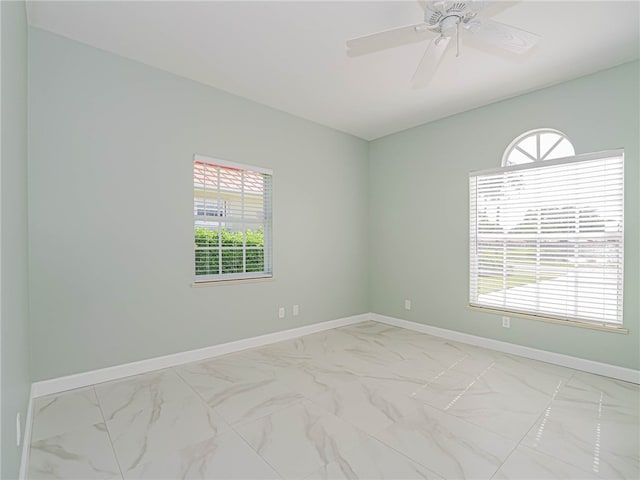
291 55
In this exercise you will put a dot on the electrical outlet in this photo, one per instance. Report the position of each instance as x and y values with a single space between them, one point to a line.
407 304
296 310
281 312
18 430
506 322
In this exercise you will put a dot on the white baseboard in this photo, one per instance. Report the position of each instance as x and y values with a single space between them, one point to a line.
62 384
613 371
26 438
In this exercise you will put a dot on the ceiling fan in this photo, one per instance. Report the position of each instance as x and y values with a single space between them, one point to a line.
445 19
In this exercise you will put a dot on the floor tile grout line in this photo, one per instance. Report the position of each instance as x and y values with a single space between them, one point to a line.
56 396
428 467
379 440
352 425
516 442
228 424
168 370
304 398
519 443
372 435
240 422
464 421
106 427
475 425
544 453
559 460
257 452
190 387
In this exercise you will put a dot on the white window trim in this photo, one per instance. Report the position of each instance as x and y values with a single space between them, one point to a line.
226 163
536 131
235 278
603 326
573 159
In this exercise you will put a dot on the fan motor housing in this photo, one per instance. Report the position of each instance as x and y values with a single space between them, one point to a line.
442 17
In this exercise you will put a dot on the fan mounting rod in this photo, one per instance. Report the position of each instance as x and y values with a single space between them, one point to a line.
449 25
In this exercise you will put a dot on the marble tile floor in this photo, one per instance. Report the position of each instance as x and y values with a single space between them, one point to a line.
365 401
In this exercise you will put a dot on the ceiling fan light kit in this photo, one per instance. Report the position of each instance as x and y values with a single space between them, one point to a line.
444 18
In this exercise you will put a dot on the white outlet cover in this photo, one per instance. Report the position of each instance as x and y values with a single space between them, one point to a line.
296 310
407 304
281 312
506 322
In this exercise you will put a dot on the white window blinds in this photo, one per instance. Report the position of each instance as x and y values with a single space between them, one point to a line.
232 220
546 238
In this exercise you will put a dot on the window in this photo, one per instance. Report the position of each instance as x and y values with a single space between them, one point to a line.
538 145
232 220
209 210
546 237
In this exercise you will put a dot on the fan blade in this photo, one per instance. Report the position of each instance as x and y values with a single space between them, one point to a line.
430 61
501 35
387 39
439 6
477 5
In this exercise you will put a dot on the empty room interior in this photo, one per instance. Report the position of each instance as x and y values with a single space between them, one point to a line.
320 240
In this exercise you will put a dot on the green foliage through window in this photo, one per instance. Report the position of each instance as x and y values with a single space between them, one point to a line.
211 245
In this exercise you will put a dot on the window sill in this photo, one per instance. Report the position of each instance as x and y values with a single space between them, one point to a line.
231 281
603 327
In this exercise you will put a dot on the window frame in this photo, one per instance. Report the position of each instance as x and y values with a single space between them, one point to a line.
515 145
477 306
267 222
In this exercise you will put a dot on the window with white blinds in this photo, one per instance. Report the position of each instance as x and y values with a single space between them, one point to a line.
232 213
546 238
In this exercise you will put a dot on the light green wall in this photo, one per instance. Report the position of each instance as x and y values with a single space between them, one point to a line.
357 226
13 214
419 209
110 208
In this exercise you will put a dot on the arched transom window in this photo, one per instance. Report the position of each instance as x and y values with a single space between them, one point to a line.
537 145
546 237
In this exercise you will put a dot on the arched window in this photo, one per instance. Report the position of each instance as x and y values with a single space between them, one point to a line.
537 145
546 237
